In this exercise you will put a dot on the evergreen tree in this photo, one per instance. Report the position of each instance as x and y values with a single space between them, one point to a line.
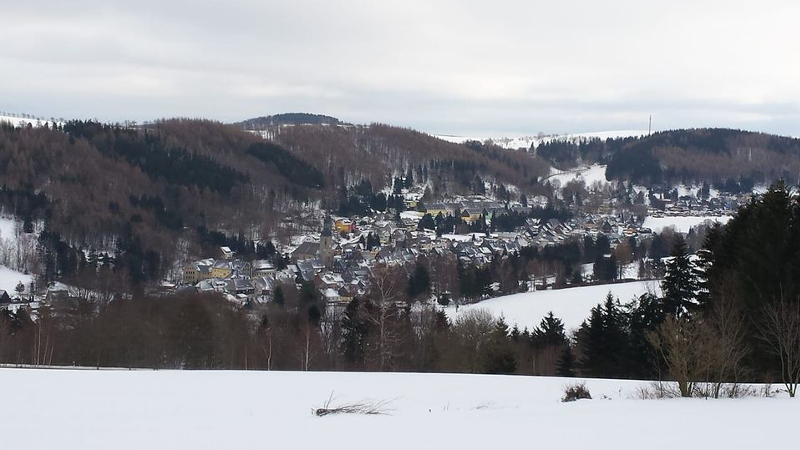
278 296
645 315
355 330
426 223
566 363
604 341
680 284
419 282
500 356
550 332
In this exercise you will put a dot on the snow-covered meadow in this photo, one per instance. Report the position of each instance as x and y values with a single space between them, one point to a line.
8 249
571 305
88 409
589 175
525 142
681 224
22 120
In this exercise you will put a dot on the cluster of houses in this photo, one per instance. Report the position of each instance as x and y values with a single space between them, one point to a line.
340 259
340 264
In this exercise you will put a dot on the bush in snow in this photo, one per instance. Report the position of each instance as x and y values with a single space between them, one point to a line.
576 391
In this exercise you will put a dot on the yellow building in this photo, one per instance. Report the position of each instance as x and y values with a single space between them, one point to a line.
222 269
345 226
198 271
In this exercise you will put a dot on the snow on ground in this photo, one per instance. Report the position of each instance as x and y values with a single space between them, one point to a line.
589 175
9 279
458 237
572 305
411 215
631 271
18 121
525 142
8 228
90 409
681 224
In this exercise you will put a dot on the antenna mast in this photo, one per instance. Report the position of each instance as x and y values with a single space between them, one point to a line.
650 126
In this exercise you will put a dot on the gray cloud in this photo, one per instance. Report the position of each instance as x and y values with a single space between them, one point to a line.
464 67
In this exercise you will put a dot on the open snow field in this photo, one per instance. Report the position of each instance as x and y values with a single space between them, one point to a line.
525 142
9 278
572 305
8 229
107 409
17 121
589 175
681 224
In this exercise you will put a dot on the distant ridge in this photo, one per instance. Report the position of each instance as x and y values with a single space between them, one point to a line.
260 123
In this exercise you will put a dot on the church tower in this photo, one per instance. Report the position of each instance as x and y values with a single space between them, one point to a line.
326 244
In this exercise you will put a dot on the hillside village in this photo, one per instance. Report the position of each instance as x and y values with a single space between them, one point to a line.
340 258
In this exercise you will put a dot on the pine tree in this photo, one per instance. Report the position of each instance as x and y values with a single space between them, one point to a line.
566 363
278 297
355 330
549 332
680 285
604 341
500 356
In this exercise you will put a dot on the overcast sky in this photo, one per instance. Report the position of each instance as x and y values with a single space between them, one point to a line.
456 67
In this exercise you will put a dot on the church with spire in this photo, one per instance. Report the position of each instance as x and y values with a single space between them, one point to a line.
326 243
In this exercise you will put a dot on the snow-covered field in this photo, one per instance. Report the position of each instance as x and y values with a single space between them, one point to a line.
525 142
681 224
8 238
8 229
9 279
73 409
589 175
572 305
17 120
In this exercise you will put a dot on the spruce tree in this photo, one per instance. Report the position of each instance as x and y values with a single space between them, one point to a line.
278 296
549 332
604 341
355 329
500 356
680 285
566 363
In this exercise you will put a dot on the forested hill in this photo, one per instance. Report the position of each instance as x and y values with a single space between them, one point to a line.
261 123
135 191
716 155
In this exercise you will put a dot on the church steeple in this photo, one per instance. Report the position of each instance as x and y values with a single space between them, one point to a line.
326 226
326 243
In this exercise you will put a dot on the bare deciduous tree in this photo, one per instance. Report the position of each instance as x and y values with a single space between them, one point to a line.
684 347
780 329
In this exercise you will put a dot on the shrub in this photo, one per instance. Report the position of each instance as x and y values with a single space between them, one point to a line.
576 391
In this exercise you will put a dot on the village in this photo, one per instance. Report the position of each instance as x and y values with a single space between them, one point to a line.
339 259
340 256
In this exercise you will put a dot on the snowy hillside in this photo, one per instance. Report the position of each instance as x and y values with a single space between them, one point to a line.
19 120
589 175
681 224
572 305
525 142
8 250
86 410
